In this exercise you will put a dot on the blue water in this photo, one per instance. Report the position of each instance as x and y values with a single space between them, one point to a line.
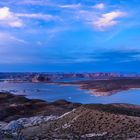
52 92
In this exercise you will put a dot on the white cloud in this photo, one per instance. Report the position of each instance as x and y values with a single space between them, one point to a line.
70 6
15 39
99 6
37 16
11 19
108 20
8 18
49 3
35 2
8 38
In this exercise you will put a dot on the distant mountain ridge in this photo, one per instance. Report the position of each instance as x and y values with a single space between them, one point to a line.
45 77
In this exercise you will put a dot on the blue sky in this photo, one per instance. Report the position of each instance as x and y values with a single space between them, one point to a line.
70 35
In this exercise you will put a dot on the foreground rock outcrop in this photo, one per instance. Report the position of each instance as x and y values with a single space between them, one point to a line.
87 122
62 120
13 129
13 107
92 122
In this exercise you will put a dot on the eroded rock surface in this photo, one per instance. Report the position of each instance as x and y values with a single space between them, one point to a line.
91 122
13 107
62 120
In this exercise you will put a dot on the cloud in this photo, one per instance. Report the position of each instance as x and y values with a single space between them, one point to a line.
11 19
6 38
67 14
45 17
35 2
99 19
108 20
82 60
49 3
18 40
99 6
8 18
70 6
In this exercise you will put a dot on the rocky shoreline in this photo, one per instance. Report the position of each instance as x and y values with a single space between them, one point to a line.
16 106
32 119
106 87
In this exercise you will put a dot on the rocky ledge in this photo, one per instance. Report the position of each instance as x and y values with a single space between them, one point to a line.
62 120
13 107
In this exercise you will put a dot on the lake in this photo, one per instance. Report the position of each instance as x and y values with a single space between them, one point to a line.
52 92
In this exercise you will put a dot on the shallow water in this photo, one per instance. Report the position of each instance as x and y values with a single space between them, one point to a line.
52 92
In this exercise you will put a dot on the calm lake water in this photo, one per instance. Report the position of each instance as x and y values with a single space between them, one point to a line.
52 92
